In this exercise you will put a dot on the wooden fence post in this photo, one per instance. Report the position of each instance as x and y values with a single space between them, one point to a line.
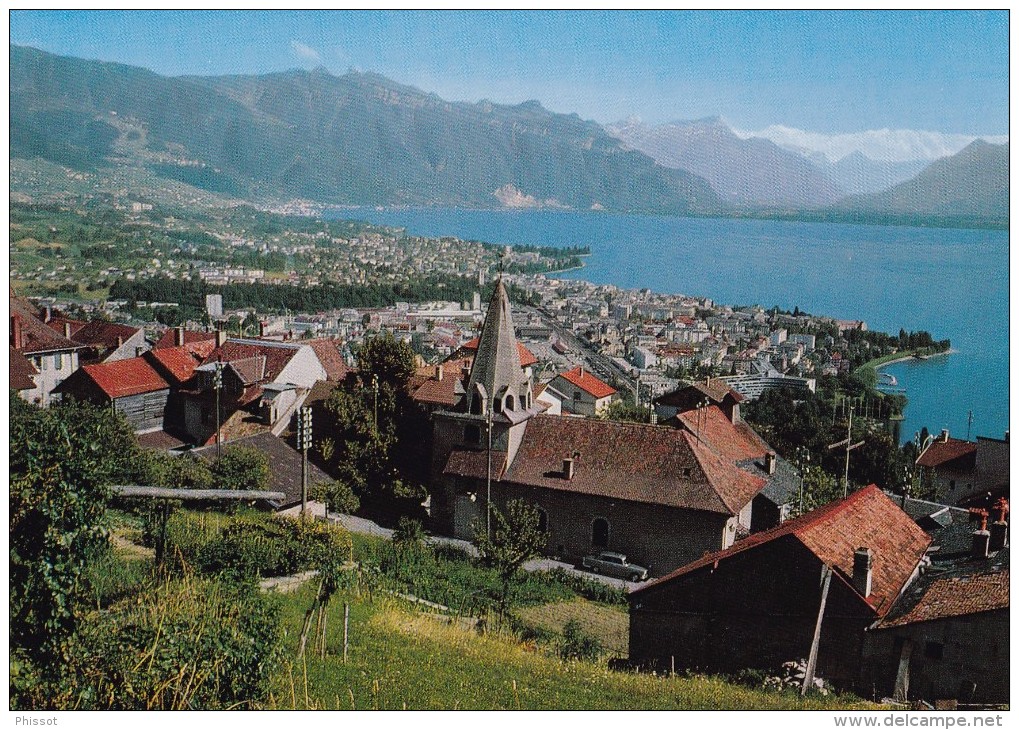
346 628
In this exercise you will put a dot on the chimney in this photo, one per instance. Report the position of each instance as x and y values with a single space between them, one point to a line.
48 314
261 329
120 341
981 544
568 469
769 463
220 337
438 372
999 530
863 562
178 336
67 330
581 371
944 435
17 339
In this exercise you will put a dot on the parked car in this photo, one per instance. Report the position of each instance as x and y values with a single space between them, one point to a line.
614 564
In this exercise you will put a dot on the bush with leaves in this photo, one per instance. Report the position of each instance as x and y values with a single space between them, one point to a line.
578 644
515 538
338 495
62 463
241 467
190 643
280 546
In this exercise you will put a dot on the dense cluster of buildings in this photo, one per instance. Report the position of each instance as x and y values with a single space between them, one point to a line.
888 596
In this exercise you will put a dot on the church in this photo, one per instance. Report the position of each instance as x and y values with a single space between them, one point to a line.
662 495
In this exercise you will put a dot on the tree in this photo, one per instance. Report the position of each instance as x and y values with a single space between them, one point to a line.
819 488
385 358
624 410
379 438
516 537
241 467
62 463
338 495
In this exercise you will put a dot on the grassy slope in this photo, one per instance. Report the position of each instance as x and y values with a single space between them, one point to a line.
400 659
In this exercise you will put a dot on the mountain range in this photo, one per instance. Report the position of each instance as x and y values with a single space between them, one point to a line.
362 139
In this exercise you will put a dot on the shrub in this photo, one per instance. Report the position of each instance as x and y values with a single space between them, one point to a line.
190 644
278 546
577 644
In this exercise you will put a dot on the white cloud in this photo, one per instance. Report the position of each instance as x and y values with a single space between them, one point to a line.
305 52
893 145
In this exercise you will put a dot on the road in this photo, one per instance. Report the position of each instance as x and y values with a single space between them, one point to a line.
604 367
366 527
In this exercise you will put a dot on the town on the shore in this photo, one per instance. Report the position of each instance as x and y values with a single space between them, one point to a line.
617 416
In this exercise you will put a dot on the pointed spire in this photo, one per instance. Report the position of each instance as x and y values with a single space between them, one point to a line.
497 364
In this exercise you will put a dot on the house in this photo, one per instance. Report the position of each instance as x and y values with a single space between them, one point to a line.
285 473
964 472
103 341
947 637
712 391
133 387
737 443
656 493
41 359
141 388
583 394
757 603
262 384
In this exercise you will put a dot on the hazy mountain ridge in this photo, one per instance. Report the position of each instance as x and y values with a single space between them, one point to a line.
742 171
973 182
355 139
362 139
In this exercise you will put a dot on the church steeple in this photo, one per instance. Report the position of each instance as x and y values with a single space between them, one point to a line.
496 372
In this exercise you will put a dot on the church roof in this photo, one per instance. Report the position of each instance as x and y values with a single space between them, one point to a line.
497 364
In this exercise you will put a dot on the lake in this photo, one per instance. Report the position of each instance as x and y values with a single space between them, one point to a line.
953 283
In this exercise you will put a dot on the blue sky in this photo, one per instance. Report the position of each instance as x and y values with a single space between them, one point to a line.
825 72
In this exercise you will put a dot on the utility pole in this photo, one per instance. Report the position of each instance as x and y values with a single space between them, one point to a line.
849 438
375 390
217 384
304 443
848 443
803 455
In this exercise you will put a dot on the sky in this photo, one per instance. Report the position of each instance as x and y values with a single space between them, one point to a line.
827 72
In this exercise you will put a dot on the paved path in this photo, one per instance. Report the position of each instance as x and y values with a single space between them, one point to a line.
366 527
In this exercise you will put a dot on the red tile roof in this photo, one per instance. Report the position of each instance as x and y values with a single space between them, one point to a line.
198 342
22 371
36 337
526 356
867 518
587 382
715 389
98 333
277 355
955 595
57 324
125 377
175 363
941 452
734 442
425 387
328 352
671 469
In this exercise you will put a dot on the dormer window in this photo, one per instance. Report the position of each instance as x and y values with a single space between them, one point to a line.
510 402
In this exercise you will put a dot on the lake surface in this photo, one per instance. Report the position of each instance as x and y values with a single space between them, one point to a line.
953 283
